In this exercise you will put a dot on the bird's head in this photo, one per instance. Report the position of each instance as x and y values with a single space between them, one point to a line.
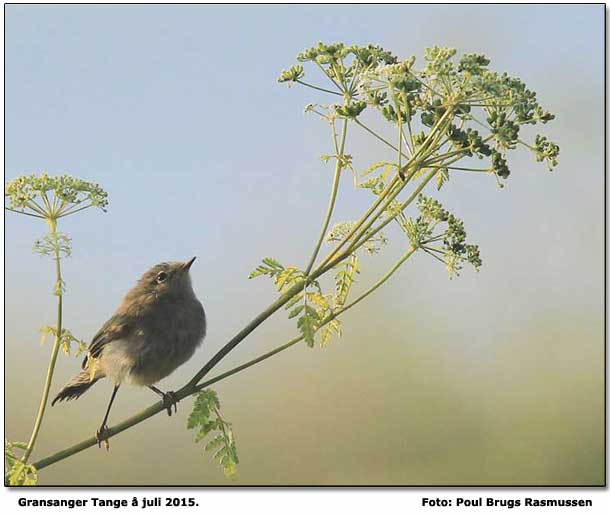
164 279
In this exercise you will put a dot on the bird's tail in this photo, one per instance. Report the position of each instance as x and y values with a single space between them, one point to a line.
78 385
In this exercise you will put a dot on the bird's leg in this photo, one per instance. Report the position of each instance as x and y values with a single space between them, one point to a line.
169 399
100 433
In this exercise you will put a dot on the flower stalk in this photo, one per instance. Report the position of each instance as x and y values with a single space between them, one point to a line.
56 345
48 198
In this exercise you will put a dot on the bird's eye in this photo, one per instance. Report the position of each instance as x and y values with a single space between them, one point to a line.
161 277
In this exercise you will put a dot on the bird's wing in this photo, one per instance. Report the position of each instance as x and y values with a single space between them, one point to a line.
119 326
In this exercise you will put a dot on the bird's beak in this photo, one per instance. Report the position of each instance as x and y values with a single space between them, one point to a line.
188 264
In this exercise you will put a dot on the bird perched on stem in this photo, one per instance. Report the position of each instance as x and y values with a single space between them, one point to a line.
156 329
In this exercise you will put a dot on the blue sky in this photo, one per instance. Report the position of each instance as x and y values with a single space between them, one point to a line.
176 112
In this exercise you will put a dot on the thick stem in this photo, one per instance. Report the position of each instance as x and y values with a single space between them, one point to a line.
56 344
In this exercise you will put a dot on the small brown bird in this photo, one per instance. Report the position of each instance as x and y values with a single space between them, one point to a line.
156 329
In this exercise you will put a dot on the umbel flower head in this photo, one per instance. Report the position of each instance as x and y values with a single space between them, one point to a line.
52 197
479 111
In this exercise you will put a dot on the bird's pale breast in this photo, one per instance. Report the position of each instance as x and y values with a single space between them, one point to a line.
165 339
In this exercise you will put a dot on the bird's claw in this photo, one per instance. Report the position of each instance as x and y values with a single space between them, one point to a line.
101 437
169 400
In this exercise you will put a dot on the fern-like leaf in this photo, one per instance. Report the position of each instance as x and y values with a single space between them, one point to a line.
206 418
287 278
334 326
307 324
18 473
269 267
345 278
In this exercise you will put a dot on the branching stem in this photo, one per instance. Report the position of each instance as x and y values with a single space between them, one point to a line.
387 194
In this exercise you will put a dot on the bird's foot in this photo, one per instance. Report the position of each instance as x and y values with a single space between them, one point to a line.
170 400
102 437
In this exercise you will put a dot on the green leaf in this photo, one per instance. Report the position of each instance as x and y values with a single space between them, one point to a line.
372 245
21 474
377 183
206 419
345 278
66 341
307 325
287 278
334 326
387 165
269 267
204 402
214 443
320 303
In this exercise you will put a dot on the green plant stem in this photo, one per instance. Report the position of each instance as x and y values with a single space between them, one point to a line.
331 79
461 168
72 211
403 206
362 236
435 134
318 88
35 206
380 198
23 213
400 130
381 281
333 198
291 292
54 352
296 288
383 140
190 388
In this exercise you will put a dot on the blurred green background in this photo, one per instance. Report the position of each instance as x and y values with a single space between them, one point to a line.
491 378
